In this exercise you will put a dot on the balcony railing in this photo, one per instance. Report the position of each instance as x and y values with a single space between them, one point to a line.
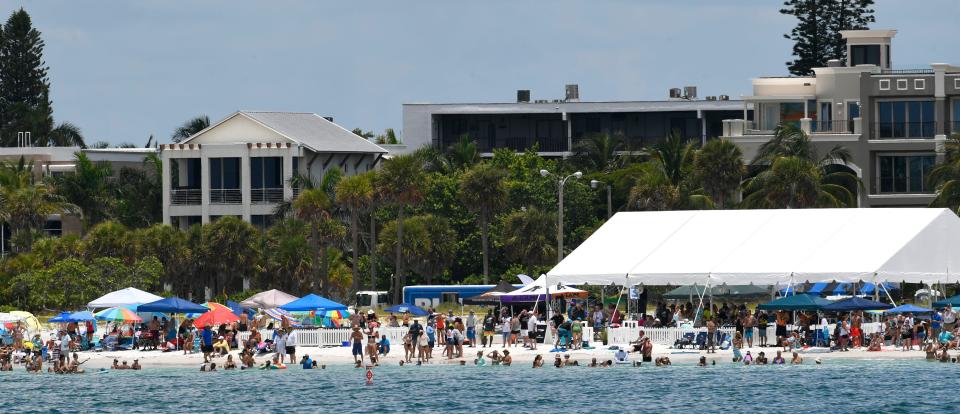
832 126
266 195
188 196
225 196
952 127
903 130
543 144
751 128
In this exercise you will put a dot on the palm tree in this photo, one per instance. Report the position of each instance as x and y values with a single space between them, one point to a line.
190 127
795 176
289 256
87 187
65 135
719 168
599 152
945 177
529 237
463 153
399 183
355 193
667 181
314 207
484 191
26 203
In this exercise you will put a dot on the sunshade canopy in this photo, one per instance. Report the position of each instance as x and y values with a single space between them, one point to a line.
908 308
172 305
81 316
733 291
801 302
855 303
216 316
118 314
62 317
123 297
767 247
406 307
491 296
268 299
537 291
952 301
313 302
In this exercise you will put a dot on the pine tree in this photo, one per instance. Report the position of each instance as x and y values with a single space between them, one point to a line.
24 86
817 34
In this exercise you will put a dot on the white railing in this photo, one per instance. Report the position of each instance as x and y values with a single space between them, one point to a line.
668 336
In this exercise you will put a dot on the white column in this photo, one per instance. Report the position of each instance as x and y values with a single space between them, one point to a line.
287 173
245 197
165 184
204 188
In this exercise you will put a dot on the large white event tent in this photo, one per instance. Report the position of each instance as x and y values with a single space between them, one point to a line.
123 297
711 247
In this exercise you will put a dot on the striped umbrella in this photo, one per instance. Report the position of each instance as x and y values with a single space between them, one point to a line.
117 314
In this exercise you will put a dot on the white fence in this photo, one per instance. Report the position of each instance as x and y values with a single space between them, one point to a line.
668 336
337 336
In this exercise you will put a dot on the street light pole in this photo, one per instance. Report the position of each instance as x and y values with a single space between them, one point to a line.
562 182
594 184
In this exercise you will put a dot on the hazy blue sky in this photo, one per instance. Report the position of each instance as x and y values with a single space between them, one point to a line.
123 70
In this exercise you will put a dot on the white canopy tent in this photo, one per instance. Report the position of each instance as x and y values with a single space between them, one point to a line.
268 299
537 291
123 297
767 247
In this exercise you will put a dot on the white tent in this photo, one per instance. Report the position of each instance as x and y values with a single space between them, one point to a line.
537 291
767 247
123 297
269 299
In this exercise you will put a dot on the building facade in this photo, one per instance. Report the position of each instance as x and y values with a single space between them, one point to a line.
241 166
894 121
555 126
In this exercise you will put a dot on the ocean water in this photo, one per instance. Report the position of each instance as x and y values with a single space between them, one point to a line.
838 386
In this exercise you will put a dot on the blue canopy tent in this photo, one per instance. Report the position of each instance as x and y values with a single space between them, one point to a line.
240 310
62 317
406 307
172 305
908 308
313 302
952 301
855 303
801 302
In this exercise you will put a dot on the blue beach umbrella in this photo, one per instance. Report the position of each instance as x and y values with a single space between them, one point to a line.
908 308
82 316
855 303
172 305
62 317
406 307
313 302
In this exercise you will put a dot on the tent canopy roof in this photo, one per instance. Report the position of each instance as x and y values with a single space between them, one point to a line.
492 295
123 297
268 299
172 305
313 302
537 291
796 302
732 291
767 247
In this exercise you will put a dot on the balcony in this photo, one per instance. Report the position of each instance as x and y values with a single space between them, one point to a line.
543 144
903 130
185 197
266 195
832 126
225 196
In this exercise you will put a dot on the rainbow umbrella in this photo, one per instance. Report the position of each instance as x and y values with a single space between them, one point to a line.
117 314
333 314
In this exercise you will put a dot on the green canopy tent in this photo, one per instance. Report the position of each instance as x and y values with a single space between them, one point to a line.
799 302
722 292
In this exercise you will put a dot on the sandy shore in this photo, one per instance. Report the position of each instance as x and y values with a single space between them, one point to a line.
342 356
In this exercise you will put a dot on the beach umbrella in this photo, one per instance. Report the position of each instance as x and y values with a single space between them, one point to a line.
952 301
123 297
909 308
62 317
268 299
799 302
313 302
82 316
406 307
172 305
28 319
855 303
217 315
279 314
334 314
118 314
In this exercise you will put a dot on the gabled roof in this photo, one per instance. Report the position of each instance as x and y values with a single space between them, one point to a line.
308 129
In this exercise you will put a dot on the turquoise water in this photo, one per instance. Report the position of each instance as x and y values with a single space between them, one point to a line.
847 386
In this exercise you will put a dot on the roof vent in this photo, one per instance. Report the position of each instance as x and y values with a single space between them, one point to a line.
690 92
724 97
711 98
523 95
572 93
676 93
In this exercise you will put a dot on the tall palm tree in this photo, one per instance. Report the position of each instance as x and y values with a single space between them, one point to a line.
398 182
945 177
484 191
796 176
667 181
190 127
719 168
599 152
26 202
314 207
463 153
87 187
65 134
530 237
355 193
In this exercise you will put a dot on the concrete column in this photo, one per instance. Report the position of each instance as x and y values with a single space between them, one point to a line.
566 117
805 124
165 184
858 126
246 198
287 174
204 188
940 144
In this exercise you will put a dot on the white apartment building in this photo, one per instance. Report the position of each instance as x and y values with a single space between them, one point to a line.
241 165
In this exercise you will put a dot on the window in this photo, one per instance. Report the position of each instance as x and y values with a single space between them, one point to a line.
905 173
919 84
261 221
53 228
905 119
884 84
902 84
266 172
865 55
956 83
224 173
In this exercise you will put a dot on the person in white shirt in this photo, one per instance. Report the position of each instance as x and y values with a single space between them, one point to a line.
532 330
505 330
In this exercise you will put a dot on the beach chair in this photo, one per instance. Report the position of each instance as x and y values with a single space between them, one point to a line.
725 341
687 340
125 344
701 341
108 344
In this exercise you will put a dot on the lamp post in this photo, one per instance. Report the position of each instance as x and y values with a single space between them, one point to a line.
562 182
594 184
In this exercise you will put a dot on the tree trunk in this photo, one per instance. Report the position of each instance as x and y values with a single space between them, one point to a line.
484 246
398 277
325 272
373 252
315 244
355 230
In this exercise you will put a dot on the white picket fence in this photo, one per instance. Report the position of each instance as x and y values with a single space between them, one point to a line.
668 336
338 336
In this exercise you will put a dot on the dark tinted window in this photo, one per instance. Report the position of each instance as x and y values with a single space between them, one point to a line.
865 55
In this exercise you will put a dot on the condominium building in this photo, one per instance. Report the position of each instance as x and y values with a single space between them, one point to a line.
241 166
894 121
555 126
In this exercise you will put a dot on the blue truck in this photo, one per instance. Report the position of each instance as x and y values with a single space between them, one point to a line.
427 296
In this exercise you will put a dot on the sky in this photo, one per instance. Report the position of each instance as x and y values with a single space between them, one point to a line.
123 70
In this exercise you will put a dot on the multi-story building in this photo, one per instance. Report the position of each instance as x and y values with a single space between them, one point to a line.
555 126
241 166
894 121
